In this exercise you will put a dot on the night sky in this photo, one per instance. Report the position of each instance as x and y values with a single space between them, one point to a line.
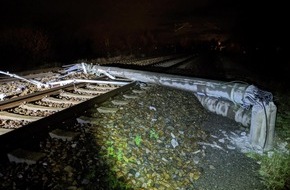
66 30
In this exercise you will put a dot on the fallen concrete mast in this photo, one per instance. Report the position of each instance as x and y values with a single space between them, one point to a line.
242 102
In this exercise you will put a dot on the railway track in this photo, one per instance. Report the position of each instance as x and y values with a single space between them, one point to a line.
48 133
156 64
35 106
23 104
30 117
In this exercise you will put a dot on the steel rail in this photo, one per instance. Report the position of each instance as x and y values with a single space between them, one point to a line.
27 135
14 102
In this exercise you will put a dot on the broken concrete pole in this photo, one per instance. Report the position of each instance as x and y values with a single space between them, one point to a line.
263 125
226 109
214 96
233 91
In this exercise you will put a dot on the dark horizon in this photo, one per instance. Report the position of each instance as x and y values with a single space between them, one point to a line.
36 32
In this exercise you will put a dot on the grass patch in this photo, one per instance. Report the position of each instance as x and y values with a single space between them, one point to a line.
274 168
283 125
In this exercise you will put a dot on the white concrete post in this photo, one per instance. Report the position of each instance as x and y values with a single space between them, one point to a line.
263 125
219 97
226 109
